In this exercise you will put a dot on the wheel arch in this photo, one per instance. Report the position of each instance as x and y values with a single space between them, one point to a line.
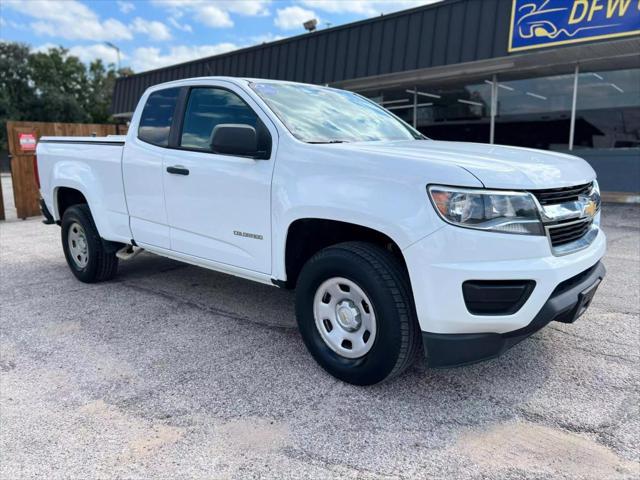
67 194
65 197
306 236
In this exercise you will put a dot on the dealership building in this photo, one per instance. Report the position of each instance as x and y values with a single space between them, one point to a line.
560 75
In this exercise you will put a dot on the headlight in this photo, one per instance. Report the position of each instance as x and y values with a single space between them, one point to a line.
595 193
493 210
595 196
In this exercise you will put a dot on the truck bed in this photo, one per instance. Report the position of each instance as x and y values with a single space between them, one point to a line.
93 166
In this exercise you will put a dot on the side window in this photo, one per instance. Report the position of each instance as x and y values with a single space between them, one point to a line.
209 107
157 115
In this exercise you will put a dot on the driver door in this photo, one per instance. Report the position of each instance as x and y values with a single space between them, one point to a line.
219 205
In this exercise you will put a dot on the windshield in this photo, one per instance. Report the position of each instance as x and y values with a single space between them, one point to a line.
325 115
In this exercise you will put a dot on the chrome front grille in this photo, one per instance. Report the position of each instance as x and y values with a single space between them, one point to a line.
569 216
554 196
568 232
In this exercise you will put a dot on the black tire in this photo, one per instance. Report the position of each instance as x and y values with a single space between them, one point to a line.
101 264
384 280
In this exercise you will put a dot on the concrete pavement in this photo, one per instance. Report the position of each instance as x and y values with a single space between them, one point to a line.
172 371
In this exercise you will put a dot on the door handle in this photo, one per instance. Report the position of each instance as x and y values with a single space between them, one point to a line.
178 170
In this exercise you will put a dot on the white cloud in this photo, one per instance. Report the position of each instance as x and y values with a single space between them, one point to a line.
69 19
44 48
125 7
364 7
250 8
149 58
87 53
185 27
247 7
290 18
214 14
154 30
242 7
10 23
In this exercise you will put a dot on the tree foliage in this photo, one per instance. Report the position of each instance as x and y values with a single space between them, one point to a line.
52 86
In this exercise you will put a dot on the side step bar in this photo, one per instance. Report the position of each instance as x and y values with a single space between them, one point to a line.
128 252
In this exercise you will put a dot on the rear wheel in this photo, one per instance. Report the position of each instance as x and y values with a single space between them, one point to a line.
84 250
355 312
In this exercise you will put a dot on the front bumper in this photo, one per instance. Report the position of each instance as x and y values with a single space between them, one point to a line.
564 305
442 262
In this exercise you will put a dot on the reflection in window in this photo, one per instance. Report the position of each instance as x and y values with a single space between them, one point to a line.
608 110
155 121
319 115
532 112
209 107
535 112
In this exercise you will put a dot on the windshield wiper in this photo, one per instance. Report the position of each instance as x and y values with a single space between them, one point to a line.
330 141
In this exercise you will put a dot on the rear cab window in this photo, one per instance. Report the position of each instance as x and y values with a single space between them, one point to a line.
157 115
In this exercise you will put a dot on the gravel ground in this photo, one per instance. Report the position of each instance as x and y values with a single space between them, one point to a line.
172 371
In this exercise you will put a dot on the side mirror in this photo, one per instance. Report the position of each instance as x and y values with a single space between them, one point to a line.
235 139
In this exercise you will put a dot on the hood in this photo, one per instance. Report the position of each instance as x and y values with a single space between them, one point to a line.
496 166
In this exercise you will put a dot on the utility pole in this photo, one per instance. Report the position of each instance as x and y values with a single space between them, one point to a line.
111 45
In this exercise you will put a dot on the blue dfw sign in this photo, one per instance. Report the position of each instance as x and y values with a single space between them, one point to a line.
543 23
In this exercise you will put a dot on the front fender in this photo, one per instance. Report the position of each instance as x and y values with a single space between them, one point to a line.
386 195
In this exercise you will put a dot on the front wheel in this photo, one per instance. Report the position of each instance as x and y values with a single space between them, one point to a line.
355 313
83 248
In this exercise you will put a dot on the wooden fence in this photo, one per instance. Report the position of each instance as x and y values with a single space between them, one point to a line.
20 137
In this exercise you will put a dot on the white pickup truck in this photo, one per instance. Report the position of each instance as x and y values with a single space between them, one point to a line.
395 243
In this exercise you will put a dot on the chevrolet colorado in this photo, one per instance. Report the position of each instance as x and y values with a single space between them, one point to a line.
395 243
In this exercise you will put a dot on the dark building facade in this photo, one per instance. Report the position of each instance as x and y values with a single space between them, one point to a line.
561 75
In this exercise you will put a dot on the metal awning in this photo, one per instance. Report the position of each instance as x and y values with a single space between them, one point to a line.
615 54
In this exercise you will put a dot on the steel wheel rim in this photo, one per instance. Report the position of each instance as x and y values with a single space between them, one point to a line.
78 247
344 317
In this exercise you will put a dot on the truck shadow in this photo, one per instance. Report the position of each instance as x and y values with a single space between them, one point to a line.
273 373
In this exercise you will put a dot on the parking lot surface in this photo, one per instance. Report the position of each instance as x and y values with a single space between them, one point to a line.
172 371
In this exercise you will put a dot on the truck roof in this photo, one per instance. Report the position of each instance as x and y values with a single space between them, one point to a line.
184 81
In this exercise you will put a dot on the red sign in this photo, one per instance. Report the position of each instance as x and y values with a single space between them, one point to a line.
27 142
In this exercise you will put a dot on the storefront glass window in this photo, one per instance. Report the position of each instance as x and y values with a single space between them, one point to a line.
534 112
459 112
608 110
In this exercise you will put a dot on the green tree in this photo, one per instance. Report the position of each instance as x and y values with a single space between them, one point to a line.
101 84
61 87
52 86
16 92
